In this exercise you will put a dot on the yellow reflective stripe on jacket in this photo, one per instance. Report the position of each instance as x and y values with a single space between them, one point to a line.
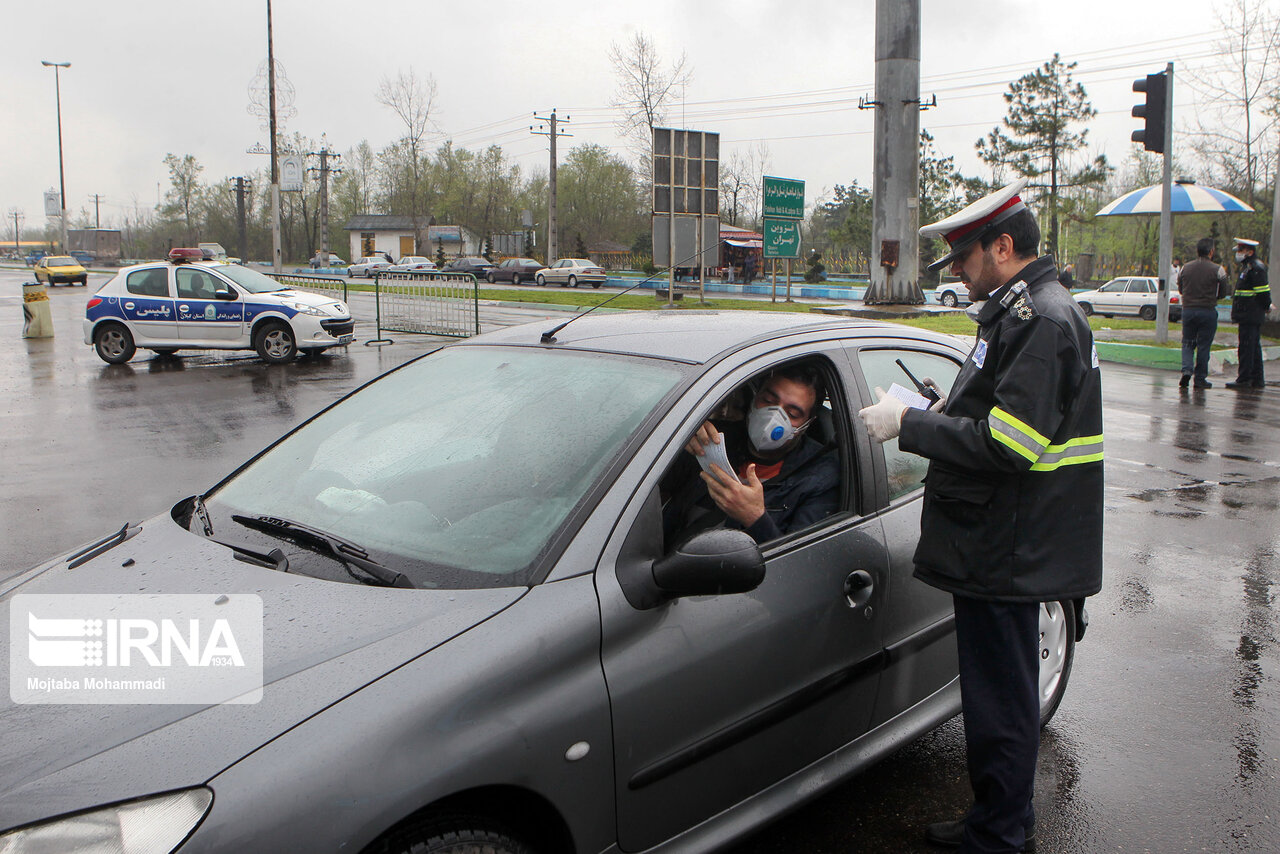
1021 438
1251 292
1084 449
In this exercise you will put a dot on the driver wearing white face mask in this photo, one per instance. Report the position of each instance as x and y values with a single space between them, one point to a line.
785 480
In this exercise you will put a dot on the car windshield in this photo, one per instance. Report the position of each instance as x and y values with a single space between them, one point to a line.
458 469
58 261
251 280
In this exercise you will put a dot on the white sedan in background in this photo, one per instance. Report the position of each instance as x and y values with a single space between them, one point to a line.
367 266
412 264
571 271
1131 295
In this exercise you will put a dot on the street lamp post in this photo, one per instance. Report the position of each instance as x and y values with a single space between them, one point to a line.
62 178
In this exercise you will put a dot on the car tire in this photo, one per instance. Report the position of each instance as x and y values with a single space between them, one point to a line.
114 343
84 283
1147 312
596 284
573 281
542 280
949 299
489 278
455 835
515 278
275 343
1087 309
1057 651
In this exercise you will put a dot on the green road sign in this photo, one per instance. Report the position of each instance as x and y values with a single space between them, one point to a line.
781 238
783 198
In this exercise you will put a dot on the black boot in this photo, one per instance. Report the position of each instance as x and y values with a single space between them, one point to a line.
948 834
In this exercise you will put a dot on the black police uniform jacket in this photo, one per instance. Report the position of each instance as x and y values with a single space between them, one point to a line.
1253 294
1013 496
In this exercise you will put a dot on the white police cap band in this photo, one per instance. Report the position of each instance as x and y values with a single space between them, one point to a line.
965 227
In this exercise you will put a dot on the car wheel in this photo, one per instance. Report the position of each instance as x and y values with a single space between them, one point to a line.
274 343
1086 308
542 280
1147 312
456 835
1057 651
596 284
84 282
515 278
949 300
489 278
573 281
114 343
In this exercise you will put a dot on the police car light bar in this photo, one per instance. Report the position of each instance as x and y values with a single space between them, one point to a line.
181 256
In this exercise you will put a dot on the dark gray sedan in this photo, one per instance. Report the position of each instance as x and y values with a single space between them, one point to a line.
479 629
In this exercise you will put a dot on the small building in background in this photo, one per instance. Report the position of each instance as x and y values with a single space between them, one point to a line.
102 243
398 236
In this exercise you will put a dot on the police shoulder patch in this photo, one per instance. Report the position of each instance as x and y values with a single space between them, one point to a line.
1023 309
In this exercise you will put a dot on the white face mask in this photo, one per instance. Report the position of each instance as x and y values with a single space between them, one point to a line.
1240 256
769 428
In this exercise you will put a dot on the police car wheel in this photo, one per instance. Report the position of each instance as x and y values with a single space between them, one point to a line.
114 343
1056 652
949 299
275 343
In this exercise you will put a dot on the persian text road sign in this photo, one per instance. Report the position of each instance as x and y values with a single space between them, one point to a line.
783 198
781 238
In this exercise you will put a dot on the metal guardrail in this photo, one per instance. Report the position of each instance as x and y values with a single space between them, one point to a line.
427 303
330 286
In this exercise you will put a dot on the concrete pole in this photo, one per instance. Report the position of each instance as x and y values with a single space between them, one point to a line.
277 262
895 204
552 226
1273 248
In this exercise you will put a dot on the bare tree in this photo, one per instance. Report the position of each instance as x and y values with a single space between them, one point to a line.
1242 91
411 98
645 86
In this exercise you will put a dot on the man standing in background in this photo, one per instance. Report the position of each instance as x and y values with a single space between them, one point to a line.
1202 283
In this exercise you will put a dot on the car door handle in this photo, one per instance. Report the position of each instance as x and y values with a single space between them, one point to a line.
858 588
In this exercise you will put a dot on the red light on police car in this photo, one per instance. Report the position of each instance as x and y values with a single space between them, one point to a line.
179 256
94 301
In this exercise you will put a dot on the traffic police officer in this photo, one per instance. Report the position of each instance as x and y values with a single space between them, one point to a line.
1249 308
1012 512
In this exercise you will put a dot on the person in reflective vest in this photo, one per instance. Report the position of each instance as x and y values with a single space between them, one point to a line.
1013 501
1249 308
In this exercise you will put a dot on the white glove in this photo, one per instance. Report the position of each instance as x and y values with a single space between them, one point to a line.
884 419
942 395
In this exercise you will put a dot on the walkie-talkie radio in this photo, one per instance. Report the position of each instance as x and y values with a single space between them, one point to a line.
925 391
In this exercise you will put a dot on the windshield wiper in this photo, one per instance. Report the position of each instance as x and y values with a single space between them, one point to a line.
344 550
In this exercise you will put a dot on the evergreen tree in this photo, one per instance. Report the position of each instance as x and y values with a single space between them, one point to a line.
1043 107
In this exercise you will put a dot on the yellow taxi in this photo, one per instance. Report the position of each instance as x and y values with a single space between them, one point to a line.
52 269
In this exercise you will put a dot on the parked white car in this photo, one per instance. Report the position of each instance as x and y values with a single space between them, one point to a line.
951 294
367 265
412 264
187 304
571 271
1128 295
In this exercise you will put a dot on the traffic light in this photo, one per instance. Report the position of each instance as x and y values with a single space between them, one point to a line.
1156 86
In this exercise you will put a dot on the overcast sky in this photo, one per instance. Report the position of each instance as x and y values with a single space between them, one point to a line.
150 77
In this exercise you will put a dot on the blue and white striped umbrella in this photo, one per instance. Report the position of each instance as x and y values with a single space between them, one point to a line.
1185 198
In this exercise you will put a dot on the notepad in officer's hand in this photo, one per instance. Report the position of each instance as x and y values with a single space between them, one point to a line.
909 397
715 453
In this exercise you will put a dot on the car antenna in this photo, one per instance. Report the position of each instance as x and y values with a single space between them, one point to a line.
549 336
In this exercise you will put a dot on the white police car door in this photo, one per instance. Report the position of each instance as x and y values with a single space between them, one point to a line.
201 315
147 305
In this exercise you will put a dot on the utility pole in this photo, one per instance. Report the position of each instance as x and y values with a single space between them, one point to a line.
16 213
62 175
324 171
241 184
551 181
277 262
895 194
97 218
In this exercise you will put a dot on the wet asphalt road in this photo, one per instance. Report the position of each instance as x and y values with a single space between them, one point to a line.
1168 739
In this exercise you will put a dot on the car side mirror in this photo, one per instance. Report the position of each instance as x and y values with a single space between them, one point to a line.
711 563
225 295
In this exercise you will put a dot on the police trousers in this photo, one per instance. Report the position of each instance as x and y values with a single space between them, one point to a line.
998 645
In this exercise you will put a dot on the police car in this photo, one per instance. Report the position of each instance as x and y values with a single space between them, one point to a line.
193 303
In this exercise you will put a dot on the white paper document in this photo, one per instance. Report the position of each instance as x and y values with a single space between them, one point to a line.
909 397
715 453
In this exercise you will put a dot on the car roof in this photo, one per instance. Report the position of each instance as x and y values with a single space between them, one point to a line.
692 335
